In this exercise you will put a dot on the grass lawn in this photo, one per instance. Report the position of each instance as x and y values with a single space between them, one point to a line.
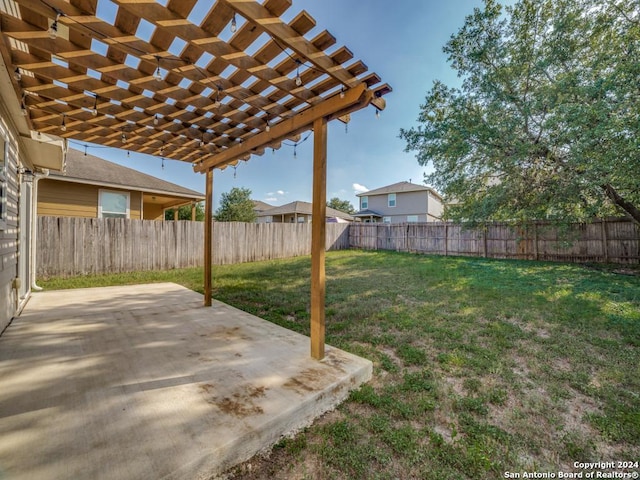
481 366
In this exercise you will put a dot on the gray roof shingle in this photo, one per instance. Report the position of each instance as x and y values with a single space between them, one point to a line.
95 170
398 188
302 208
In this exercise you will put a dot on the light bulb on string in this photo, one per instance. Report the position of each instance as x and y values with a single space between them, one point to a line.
17 74
342 93
155 119
63 127
85 150
23 108
235 167
268 127
202 141
377 113
162 163
158 75
234 25
53 29
216 102
94 112
295 151
124 137
128 154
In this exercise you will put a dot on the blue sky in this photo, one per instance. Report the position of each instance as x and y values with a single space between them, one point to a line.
402 42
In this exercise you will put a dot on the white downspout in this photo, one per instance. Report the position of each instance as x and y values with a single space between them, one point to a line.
34 227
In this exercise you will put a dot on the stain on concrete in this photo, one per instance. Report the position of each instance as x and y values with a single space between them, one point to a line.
307 380
241 403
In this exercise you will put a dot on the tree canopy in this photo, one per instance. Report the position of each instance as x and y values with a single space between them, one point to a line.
236 206
545 124
342 205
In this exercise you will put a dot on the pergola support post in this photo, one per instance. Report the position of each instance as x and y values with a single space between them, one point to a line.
208 236
318 232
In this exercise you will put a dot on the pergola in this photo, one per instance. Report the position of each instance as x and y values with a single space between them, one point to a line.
187 80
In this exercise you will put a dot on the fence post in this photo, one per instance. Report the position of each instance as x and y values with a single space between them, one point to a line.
535 241
605 240
446 239
484 241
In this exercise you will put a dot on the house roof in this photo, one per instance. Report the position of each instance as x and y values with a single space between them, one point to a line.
94 170
260 206
304 208
399 188
367 213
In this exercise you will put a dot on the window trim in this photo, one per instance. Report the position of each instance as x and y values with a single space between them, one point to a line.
386 219
391 197
118 192
364 202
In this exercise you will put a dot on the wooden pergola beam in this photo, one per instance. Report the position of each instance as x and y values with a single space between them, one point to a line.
336 106
279 30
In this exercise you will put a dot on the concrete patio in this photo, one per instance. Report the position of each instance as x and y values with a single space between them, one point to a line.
142 382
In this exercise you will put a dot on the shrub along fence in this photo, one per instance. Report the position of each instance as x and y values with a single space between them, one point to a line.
79 246
608 240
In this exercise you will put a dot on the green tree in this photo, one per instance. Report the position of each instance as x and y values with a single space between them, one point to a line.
236 206
184 212
342 205
545 124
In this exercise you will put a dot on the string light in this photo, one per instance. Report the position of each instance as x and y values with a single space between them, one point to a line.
63 127
342 93
298 79
216 102
268 127
128 153
85 150
94 112
377 113
124 137
295 151
17 74
23 107
202 140
162 163
158 75
234 25
235 167
53 29
155 119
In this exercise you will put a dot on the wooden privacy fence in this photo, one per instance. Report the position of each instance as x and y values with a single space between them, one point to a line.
79 246
609 240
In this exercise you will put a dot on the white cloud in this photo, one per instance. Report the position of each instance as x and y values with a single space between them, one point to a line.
271 199
280 192
359 188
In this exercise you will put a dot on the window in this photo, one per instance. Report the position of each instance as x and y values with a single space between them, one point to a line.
4 146
113 204
412 218
391 199
364 203
302 219
386 219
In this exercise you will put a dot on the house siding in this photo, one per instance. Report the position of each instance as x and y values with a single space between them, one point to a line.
407 203
9 245
69 199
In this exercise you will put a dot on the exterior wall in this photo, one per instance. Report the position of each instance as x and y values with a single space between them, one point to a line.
436 208
153 211
291 218
407 203
422 204
69 199
9 234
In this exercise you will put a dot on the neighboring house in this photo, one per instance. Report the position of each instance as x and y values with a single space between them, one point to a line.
402 202
299 212
92 187
259 206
